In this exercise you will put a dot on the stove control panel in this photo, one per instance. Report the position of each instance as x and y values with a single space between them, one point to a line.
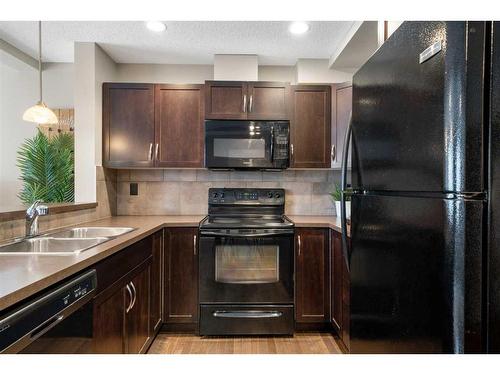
241 196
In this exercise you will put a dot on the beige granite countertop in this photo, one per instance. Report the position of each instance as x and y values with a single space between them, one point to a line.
21 276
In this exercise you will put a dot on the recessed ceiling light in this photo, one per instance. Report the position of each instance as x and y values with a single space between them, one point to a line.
156 26
298 27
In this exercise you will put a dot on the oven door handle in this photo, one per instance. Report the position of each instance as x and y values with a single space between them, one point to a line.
245 235
250 314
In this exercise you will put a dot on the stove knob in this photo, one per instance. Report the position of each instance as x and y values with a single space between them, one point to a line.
214 195
277 195
270 194
222 195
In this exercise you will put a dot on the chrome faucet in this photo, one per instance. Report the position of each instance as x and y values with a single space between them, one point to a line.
32 213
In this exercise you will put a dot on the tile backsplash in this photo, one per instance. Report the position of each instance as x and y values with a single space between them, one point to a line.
185 191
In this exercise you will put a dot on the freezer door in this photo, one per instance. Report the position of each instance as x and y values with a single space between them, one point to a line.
415 275
417 125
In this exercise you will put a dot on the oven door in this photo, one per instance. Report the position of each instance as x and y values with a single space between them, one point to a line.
238 144
246 269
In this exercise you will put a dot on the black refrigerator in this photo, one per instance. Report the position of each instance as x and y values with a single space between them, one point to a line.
424 257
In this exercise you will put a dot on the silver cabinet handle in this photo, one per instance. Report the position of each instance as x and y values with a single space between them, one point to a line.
156 151
250 104
150 153
194 244
244 102
333 153
299 243
135 294
291 149
131 298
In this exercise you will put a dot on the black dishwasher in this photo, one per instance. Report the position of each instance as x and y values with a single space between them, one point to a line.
57 322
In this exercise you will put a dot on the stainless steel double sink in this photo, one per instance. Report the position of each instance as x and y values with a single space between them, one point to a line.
66 242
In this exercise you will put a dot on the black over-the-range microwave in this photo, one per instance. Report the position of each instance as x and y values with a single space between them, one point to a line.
233 144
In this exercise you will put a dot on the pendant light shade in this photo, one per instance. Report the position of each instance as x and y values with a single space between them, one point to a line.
40 113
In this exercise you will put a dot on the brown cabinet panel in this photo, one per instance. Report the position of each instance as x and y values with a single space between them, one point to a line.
138 317
109 329
226 100
312 293
179 113
157 283
311 126
128 125
268 101
336 279
181 275
342 106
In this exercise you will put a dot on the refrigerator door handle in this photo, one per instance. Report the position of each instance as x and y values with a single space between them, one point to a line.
343 218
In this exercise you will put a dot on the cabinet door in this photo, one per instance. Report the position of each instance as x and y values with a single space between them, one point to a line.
181 272
268 101
337 267
179 112
342 106
128 125
157 283
138 316
109 329
226 100
312 298
311 127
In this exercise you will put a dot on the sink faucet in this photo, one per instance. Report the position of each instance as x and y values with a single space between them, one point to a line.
32 213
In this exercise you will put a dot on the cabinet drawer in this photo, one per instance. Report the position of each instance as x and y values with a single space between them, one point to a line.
118 265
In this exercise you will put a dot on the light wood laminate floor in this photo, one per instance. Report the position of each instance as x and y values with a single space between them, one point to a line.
301 343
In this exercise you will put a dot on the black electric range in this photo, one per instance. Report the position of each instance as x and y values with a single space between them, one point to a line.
246 260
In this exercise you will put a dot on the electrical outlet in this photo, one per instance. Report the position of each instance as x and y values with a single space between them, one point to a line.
134 188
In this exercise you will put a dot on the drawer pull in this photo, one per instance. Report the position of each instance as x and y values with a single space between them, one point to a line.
251 314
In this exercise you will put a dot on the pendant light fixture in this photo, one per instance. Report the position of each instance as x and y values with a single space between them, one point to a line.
40 113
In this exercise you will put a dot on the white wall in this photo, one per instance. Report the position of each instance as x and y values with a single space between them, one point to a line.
318 71
236 67
280 73
92 67
18 91
163 73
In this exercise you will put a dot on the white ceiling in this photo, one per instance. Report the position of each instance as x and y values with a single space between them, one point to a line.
184 42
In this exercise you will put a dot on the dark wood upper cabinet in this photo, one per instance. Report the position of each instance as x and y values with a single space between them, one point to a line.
312 294
179 114
157 283
236 100
181 275
226 100
268 101
128 125
342 106
311 126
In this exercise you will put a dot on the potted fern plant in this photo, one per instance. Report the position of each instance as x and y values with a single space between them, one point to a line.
336 195
47 168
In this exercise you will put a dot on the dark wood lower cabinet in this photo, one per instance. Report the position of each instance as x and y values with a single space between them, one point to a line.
312 282
340 288
109 313
137 319
157 282
181 276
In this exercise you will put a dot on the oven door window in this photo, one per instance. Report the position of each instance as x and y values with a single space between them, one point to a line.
250 263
